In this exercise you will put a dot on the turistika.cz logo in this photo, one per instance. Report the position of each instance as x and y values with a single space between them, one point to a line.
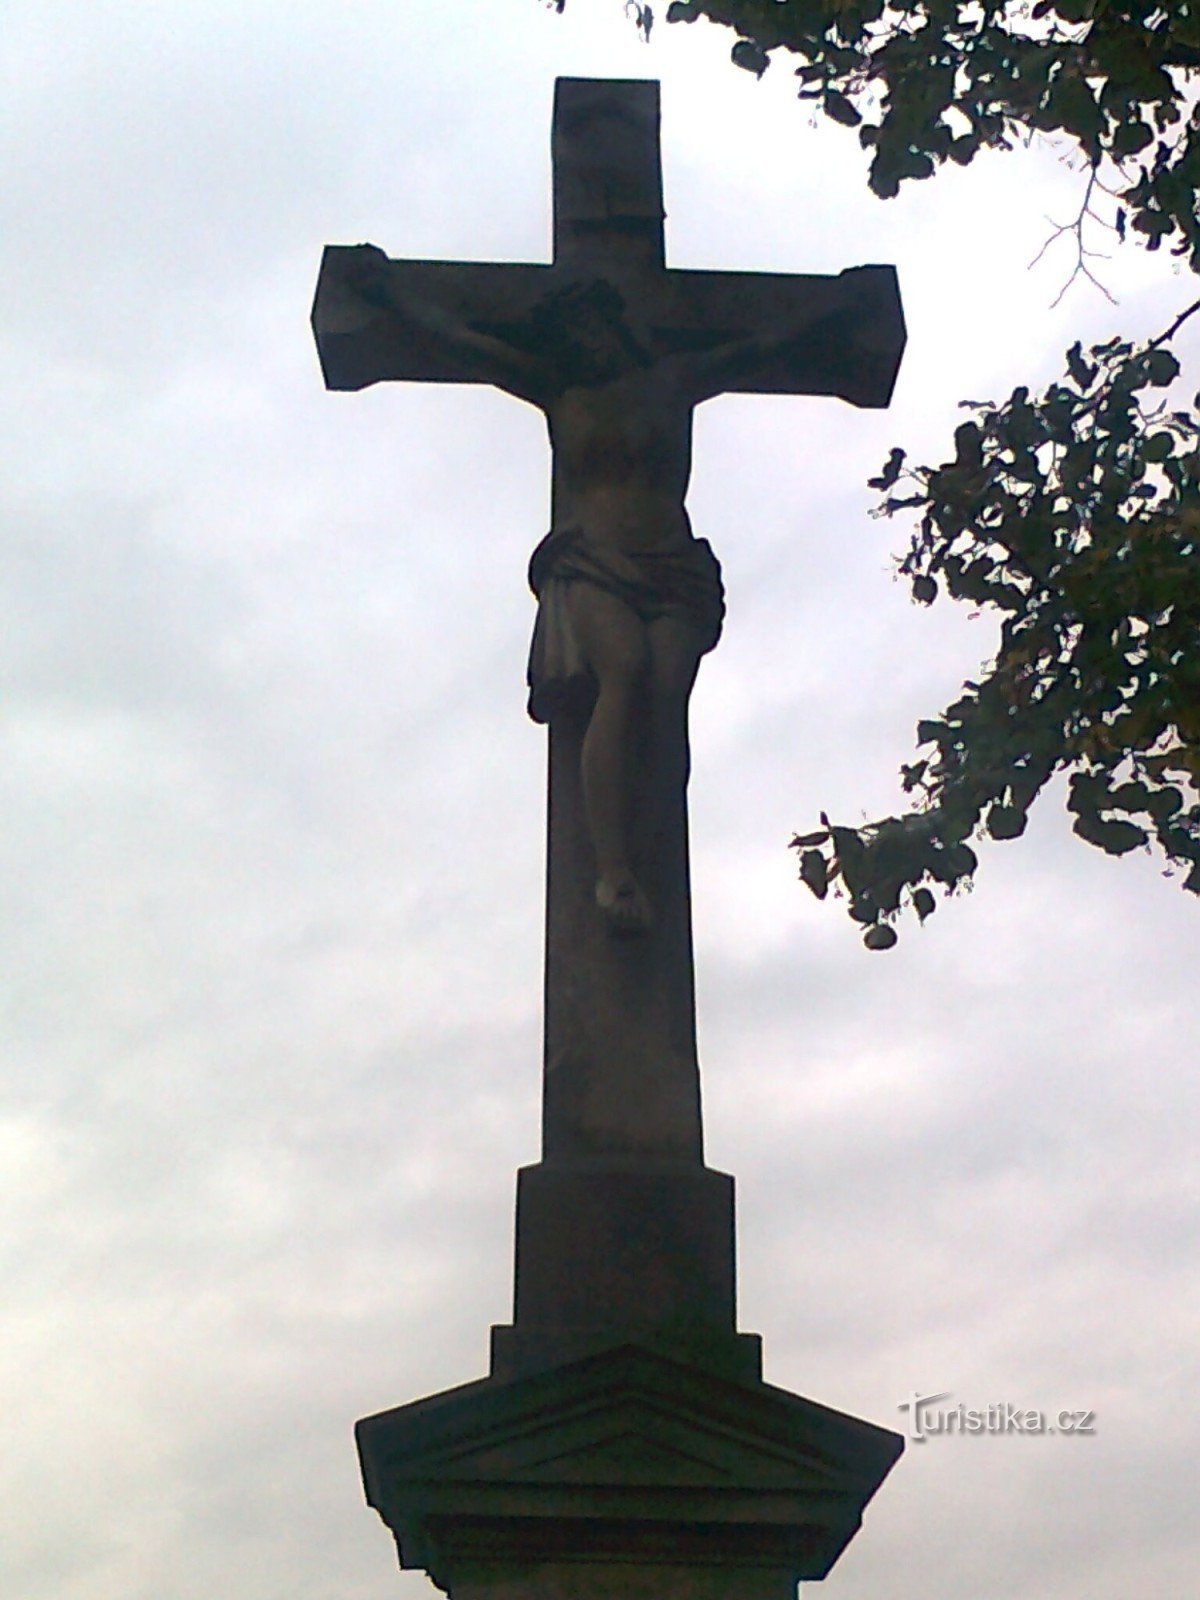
928 1418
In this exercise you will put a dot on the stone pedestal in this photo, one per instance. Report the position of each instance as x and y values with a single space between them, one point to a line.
608 1254
623 1475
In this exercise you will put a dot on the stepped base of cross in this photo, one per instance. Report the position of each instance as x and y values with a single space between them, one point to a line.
624 1446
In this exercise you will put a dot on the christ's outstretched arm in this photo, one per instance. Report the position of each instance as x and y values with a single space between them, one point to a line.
497 361
716 370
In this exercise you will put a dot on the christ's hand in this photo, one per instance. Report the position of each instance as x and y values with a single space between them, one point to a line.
367 275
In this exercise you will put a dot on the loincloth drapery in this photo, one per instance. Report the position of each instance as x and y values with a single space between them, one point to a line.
681 580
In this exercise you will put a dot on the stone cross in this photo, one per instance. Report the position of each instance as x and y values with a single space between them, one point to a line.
617 349
624 1443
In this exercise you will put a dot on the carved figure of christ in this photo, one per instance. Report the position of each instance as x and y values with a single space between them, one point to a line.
630 598
617 350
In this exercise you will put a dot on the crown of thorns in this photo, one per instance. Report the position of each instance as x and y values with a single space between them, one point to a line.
561 309
556 319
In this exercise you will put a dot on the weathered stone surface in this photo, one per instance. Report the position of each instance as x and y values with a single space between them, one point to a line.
608 1253
623 1468
621 1076
627 1580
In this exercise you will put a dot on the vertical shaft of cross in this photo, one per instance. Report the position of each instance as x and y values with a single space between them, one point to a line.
621 1075
621 1231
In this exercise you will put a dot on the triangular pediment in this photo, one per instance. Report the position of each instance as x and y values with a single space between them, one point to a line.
624 1418
626 1438
629 1455
623 1456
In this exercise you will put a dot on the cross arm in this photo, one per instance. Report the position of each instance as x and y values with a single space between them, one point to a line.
775 333
405 333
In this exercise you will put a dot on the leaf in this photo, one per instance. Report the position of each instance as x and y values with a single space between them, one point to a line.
864 908
1074 108
923 903
1082 372
839 109
750 55
879 937
924 590
1006 822
1130 797
1131 136
851 859
1161 368
1113 836
884 176
815 873
968 442
1158 447
803 841
1165 802
890 472
949 865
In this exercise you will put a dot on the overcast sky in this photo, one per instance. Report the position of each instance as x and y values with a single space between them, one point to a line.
273 831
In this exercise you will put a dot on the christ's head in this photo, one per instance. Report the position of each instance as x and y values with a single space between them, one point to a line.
585 330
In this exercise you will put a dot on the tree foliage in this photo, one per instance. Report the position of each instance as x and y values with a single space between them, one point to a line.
930 81
1075 513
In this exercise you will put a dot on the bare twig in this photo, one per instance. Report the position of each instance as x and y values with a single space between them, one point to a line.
1082 253
1170 332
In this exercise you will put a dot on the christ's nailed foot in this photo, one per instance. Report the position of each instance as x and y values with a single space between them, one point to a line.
623 904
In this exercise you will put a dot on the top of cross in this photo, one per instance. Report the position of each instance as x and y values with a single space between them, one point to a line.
607 168
608 221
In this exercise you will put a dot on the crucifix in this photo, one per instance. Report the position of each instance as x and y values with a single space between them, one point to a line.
624 1443
617 350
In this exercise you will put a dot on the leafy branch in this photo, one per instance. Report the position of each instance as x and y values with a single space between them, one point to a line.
930 81
1075 514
